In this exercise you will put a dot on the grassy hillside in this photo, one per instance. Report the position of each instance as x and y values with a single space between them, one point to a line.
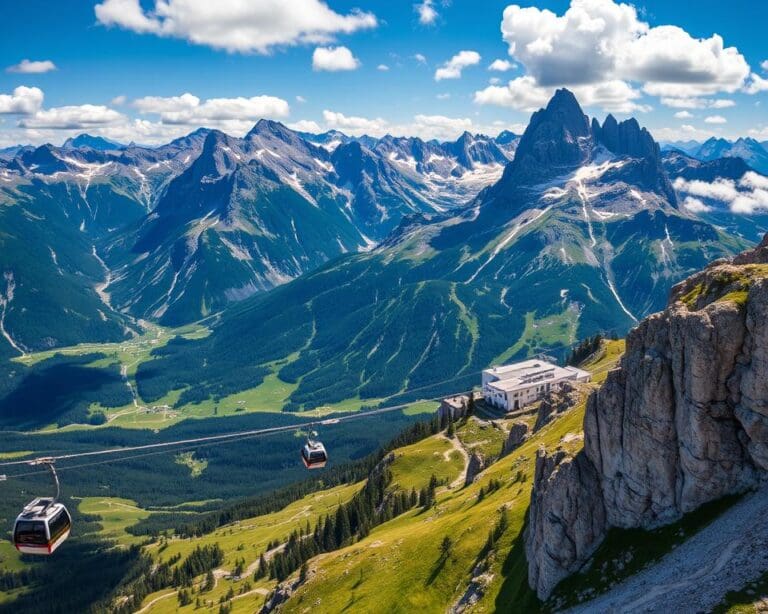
396 556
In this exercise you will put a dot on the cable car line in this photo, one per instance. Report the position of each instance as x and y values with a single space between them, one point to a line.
199 442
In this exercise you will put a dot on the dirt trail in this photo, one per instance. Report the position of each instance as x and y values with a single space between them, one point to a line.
724 556
454 441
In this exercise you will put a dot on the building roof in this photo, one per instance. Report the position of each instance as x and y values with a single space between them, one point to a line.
528 373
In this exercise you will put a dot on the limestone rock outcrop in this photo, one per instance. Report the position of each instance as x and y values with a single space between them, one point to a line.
558 402
518 433
682 421
477 462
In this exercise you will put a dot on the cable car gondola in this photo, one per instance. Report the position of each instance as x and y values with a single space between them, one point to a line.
44 523
313 453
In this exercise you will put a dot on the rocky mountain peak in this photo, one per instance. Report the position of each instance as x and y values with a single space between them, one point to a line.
558 139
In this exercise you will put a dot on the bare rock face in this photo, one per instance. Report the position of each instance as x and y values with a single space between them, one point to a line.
477 462
682 422
518 433
566 518
558 402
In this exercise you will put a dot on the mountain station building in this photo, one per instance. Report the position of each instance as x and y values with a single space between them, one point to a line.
511 387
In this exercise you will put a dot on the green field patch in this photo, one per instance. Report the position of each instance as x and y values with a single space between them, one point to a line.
481 436
196 465
15 454
115 516
415 464
550 331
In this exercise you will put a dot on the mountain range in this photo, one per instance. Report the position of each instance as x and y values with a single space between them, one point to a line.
377 265
750 150
582 233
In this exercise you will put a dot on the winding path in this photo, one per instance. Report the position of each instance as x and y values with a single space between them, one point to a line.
726 555
454 441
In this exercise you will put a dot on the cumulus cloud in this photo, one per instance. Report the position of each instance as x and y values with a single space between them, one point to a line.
525 94
119 100
334 59
427 12
443 96
502 65
23 101
235 25
301 99
683 115
354 125
425 126
305 125
382 67
698 103
602 41
695 205
72 117
190 110
453 67
420 58
764 65
715 119
747 195
30 67
756 84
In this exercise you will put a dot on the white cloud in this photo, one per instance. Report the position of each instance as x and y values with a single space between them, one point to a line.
190 110
747 195
426 11
382 67
524 94
494 80
305 125
118 100
355 125
23 101
30 67
756 84
698 103
764 65
453 67
695 205
420 58
683 115
440 126
301 99
334 59
72 117
502 65
236 25
424 126
715 119
443 96
601 41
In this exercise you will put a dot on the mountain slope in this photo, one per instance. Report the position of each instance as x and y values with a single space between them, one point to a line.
574 239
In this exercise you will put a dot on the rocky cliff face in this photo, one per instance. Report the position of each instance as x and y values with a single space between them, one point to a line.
683 421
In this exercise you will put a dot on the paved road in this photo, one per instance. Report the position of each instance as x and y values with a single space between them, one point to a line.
724 556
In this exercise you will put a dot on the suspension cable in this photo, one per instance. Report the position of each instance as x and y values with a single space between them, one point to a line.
199 442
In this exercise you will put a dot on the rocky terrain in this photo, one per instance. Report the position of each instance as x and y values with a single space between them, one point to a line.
682 422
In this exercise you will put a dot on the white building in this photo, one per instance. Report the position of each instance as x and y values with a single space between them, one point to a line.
511 387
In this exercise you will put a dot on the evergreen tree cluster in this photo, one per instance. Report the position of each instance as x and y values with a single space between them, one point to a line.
493 486
584 349
147 577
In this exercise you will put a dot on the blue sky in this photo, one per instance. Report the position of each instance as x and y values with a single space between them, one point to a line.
149 71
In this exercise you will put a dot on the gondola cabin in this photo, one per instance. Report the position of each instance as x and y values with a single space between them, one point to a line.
314 455
41 527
